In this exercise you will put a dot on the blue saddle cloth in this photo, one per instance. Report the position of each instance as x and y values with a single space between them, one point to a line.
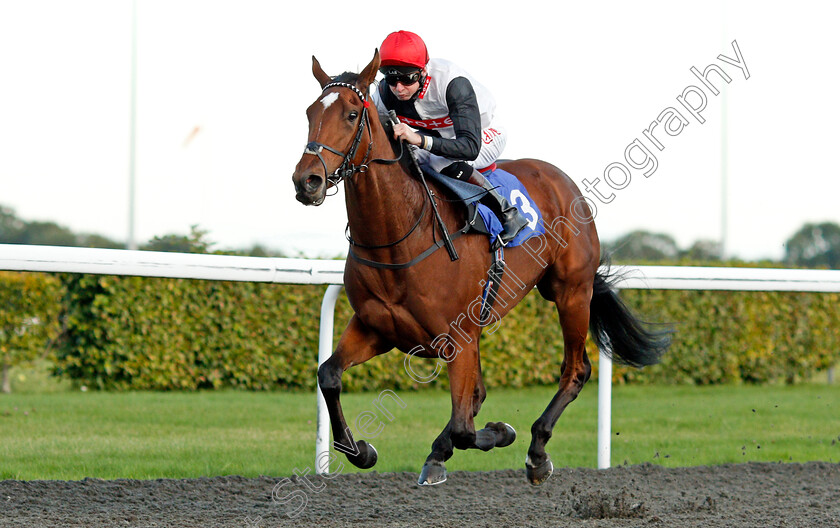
483 219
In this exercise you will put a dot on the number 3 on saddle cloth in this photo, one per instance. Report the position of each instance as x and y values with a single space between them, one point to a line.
482 220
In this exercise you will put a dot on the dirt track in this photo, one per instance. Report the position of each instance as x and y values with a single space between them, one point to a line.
755 495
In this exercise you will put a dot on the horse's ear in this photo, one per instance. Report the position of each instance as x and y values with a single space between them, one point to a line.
369 73
319 74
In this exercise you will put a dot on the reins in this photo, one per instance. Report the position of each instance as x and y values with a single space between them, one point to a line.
389 244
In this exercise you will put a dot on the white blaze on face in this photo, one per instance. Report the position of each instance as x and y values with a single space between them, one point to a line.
329 99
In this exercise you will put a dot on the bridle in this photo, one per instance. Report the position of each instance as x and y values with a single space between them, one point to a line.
348 169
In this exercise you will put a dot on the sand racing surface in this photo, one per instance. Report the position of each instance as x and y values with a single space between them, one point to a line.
735 495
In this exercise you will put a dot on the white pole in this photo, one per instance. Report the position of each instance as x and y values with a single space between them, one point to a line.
132 161
604 411
724 178
325 348
724 156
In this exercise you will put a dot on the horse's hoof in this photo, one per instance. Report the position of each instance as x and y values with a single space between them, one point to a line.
433 473
367 456
538 474
485 439
495 434
508 436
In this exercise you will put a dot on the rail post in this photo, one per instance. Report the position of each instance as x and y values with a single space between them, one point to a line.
325 348
604 409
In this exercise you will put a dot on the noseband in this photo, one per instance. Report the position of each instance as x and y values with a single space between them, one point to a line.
347 168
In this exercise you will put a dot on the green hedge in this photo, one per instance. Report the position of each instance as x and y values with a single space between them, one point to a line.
726 337
28 318
136 333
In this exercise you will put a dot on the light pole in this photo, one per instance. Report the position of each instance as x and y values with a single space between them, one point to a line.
132 241
724 178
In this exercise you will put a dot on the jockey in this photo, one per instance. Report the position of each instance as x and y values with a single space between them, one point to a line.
448 116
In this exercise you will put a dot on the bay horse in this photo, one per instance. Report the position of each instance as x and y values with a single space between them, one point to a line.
425 306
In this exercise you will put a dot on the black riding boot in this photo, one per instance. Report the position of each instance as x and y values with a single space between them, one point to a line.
512 220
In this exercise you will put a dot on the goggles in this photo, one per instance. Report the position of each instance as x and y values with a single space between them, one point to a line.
406 79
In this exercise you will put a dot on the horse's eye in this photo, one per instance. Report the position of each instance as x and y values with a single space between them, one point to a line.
352 116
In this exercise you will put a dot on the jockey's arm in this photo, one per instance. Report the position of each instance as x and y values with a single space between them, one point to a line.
466 119
401 130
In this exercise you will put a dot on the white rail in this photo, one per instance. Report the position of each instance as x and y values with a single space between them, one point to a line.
170 265
733 279
305 271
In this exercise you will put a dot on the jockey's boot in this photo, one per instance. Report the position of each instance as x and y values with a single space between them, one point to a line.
512 220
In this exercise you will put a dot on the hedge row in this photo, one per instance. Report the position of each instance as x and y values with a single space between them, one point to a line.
29 306
136 333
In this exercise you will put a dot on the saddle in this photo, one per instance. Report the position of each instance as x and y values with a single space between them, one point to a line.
481 219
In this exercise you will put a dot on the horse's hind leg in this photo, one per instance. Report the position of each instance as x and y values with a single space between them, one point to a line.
357 345
572 303
494 434
468 393
466 388
434 469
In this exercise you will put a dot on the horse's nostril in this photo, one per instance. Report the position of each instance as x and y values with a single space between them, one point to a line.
313 183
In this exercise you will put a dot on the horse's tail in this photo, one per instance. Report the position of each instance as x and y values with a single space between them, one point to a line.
618 332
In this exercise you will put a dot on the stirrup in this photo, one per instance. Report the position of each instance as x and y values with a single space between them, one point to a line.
497 243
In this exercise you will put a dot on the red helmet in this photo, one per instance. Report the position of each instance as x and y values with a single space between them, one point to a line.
403 48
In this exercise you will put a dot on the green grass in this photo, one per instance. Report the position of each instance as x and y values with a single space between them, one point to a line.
73 434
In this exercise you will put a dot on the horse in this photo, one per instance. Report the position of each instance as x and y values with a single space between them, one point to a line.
407 295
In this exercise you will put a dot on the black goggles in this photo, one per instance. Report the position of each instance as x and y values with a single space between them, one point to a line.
406 79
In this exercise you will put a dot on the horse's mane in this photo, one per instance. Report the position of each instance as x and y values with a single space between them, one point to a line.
346 77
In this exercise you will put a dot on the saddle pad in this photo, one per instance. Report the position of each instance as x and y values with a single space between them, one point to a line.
511 188
508 186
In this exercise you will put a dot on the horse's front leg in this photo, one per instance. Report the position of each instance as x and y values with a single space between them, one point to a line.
357 345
